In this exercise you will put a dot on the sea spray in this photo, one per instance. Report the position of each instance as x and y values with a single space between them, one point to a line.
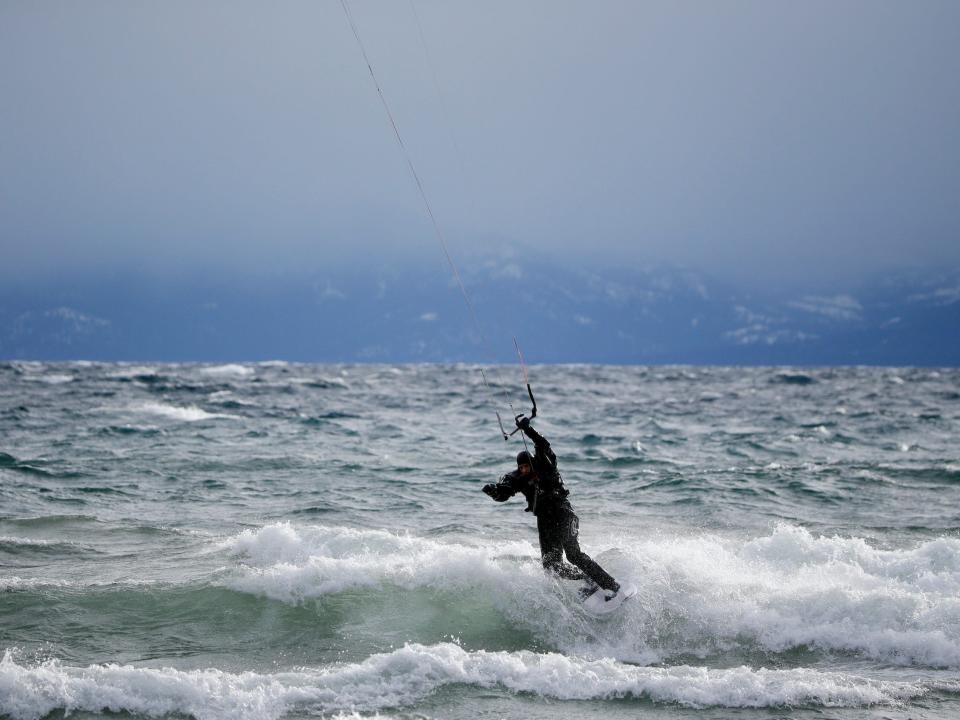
701 594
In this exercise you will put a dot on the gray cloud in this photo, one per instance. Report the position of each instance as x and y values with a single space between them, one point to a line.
774 143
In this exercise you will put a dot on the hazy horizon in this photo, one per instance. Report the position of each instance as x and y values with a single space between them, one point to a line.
779 151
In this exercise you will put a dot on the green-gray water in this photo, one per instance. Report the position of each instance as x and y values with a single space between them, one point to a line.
277 540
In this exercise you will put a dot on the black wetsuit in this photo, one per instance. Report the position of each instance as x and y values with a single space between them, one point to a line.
557 524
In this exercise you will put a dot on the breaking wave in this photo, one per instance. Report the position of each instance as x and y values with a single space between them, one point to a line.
699 595
406 675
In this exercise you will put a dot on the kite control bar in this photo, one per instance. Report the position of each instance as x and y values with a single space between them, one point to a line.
533 412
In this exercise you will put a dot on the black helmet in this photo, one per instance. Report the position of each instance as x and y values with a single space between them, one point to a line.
523 458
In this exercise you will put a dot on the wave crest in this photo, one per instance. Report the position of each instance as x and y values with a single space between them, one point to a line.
405 676
699 595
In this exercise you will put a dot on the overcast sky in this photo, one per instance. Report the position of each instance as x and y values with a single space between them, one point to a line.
765 139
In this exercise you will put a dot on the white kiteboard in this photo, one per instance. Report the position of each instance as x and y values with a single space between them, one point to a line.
597 603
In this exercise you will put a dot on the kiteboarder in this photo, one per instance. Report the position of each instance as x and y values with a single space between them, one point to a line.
537 478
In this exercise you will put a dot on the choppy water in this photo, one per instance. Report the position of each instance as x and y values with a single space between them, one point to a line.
273 540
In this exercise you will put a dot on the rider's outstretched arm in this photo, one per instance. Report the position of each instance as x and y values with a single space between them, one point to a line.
503 490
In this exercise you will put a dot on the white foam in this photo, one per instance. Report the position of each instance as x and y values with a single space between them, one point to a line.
189 413
232 369
319 380
226 396
405 676
293 564
132 371
32 542
28 367
792 589
51 379
701 594
14 583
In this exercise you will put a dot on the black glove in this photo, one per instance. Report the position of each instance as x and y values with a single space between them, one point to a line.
523 422
490 489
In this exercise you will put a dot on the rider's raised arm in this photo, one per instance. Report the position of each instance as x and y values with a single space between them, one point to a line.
540 443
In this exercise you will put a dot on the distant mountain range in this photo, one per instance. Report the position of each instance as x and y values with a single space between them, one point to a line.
625 315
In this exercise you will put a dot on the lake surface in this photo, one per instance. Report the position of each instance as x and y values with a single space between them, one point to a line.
287 541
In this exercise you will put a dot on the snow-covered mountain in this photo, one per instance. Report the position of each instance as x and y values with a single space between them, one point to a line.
559 314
